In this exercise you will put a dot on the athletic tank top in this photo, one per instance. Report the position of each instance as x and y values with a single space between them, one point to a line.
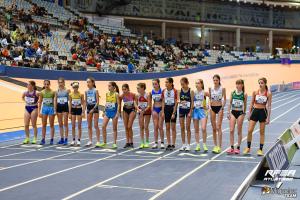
111 101
237 101
91 98
216 94
62 97
143 102
128 100
156 96
261 98
185 99
31 99
199 99
76 99
170 97
48 97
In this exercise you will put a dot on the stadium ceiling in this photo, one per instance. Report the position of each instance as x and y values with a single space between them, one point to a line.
275 3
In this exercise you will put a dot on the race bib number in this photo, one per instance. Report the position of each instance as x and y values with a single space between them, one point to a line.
143 105
47 100
261 99
156 97
29 100
237 103
76 102
216 97
198 104
169 101
91 100
128 103
185 105
109 105
62 100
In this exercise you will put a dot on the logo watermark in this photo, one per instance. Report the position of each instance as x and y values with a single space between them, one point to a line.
279 175
287 193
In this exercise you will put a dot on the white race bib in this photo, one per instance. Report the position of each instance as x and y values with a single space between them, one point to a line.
76 102
109 105
169 101
62 100
91 100
143 105
237 103
185 104
47 100
261 99
29 100
198 104
216 97
156 97
128 103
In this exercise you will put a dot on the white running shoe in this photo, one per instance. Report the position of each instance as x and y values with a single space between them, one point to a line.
89 144
182 148
162 145
72 143
154 146
78 143
188 148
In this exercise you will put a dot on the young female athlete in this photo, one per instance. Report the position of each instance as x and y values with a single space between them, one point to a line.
111 112
260 110
47 109
92 103
30 97
143 102
185 113
200 113
169 111
62 109
76 112
237 106
129 114
158 120
217 96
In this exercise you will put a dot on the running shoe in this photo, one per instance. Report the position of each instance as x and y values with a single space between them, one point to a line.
246 151
237 151
172 147
141 146
198 147
43 142
89 144
205 148
260 152
155 146
103 145
73 143
97 145
215 149
33 141
66 141
162 145
78 143
230 151
114 146
51 141
146 145
219 150
131 145
61 141
182 148
187 147
169 147
127 145
26 141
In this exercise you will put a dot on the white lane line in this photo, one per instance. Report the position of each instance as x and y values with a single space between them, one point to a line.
12 154
11 87
130 188
213 158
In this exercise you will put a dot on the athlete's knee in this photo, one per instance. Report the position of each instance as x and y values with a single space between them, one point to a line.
96 126
26 126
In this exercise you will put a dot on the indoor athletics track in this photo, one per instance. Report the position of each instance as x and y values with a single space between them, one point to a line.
59 172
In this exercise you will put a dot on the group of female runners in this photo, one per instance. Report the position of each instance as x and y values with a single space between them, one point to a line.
161 104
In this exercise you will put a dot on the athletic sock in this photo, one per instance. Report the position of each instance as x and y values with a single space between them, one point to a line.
261 146
249 144
232 147
238 147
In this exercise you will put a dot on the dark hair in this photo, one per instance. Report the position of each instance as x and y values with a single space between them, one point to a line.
92 80
170 80
142 85
125 86
218 77
157 80
185 80
114 84
61 79
33 84
265 81
241 81
44 82
202 83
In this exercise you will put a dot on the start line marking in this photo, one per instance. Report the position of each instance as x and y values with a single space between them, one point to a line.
105 150
193 155
149 152
31 146
68 148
